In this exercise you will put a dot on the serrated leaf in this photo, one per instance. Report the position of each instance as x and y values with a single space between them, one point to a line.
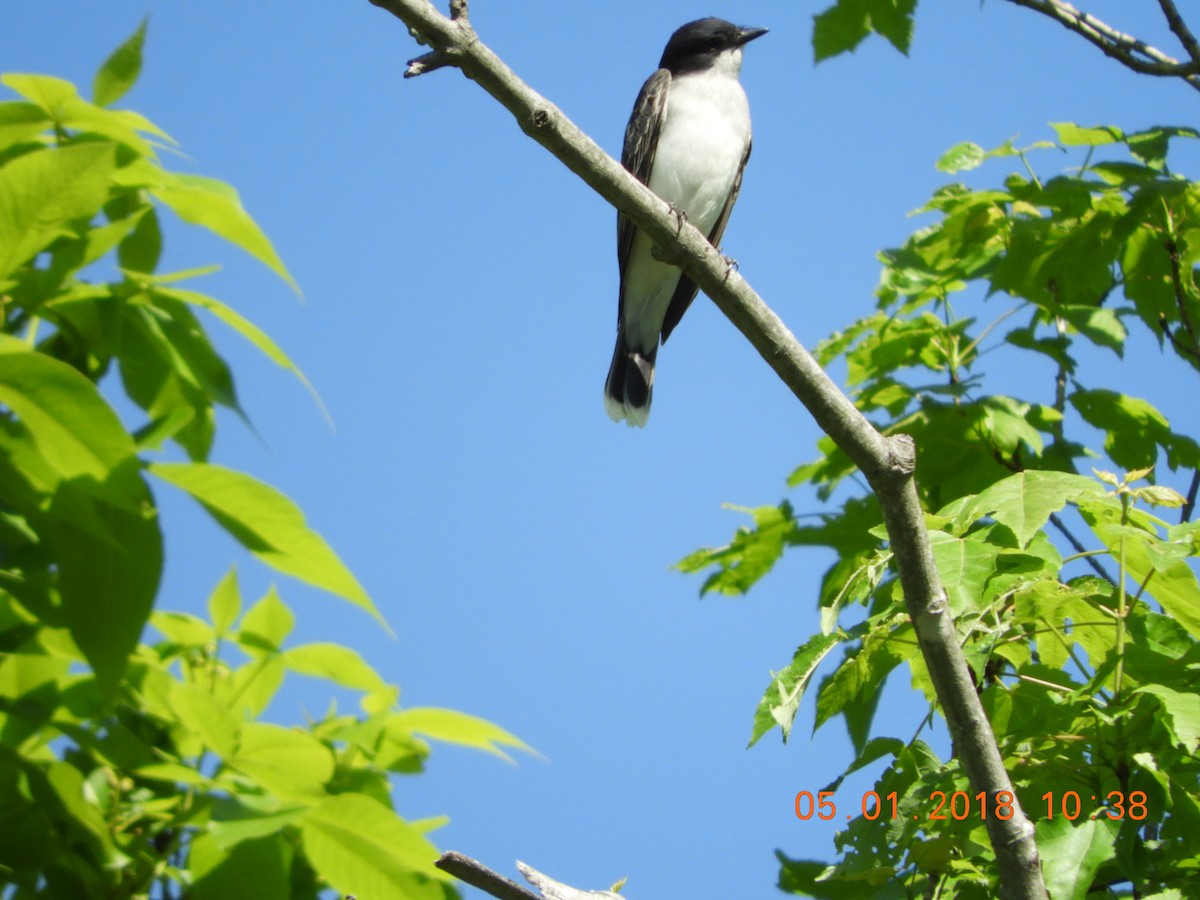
961 158
1182 711
781 700
1024 502
119 72
362 847
839 29
267 524
964 566
42 192
459 728
749 556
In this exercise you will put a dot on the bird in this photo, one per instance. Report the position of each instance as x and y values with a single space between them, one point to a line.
688 140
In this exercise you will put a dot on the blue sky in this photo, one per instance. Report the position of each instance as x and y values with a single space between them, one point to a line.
460 300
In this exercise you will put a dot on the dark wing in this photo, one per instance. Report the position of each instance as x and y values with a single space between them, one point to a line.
685 292
637 156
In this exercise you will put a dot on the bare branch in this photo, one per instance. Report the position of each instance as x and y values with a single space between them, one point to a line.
478 875
887 462
1175 21
1131 52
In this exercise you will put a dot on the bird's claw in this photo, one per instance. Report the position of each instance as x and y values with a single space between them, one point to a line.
680 218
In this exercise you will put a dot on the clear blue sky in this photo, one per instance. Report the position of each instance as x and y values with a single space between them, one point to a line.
460 307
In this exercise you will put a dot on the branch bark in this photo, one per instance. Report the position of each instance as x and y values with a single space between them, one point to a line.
887 462
1128 50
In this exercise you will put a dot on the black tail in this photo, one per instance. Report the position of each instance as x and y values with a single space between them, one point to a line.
630 384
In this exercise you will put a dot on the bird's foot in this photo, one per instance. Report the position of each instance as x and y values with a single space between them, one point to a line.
731 265
680 218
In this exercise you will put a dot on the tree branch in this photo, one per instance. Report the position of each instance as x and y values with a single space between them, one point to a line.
1179 27
476 874
1131 52
887 463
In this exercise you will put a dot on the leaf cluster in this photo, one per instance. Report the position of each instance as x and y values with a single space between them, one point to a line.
1075 601
129 767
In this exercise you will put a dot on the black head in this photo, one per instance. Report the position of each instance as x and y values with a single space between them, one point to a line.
697 45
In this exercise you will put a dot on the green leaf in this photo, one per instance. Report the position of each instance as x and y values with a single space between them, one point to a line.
99 517
893 19
1159 565
266 625
781 700
1072 853
225 602
839 29
20 121
42 192
961 158
1071 135
206 717
1150 146
843 26
1182 717
119 72
1024 502
67 109
85 823
749 556
964 565
287 762
71 425
267 524
362 847
1134 430
254 868
458 728
335 663
244 327
217 206
183 628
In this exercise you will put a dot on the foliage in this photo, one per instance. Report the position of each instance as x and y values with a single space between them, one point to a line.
129 768
1074 597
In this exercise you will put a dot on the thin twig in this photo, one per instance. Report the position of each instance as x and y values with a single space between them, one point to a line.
1082 551
478 875
1189 506
1131 52
1175 21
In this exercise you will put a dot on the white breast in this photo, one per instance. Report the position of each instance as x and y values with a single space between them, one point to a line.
702 143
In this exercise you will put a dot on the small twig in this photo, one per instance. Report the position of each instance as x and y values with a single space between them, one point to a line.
478 875
1190 44
1189 506
1082 551
430 62
1131 52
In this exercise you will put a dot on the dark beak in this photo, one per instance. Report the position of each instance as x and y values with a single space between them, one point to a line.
746 35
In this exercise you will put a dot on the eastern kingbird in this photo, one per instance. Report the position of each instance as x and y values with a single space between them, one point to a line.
688 140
